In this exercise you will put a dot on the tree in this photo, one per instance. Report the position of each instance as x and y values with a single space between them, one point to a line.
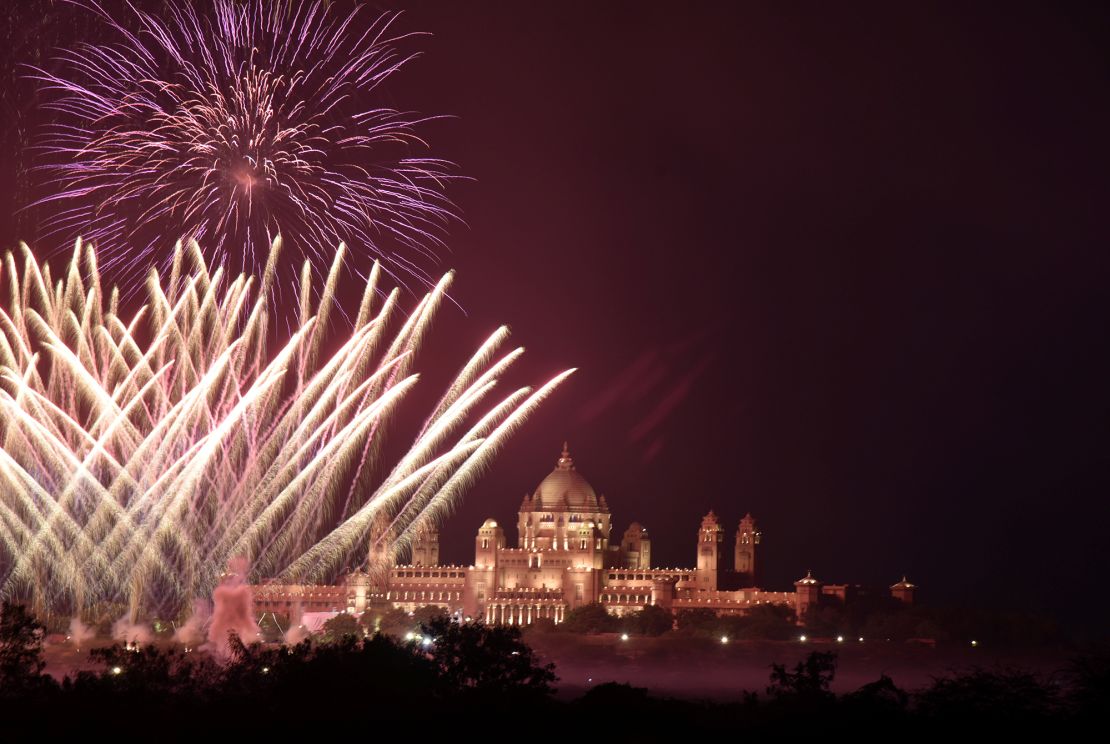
395 622
1088 676
542 625
809 681
1005 696
272 627
152 673
650 621
339 627
879 697
486 658
426 614
699 622
590 618
769 622
21 661
827 619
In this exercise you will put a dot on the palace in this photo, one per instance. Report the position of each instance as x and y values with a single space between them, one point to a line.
564 558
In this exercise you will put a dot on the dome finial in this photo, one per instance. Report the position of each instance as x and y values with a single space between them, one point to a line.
565 461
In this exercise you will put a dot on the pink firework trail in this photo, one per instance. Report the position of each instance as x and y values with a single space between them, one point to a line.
233 122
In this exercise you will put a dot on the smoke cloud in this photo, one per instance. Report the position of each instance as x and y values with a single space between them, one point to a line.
233 610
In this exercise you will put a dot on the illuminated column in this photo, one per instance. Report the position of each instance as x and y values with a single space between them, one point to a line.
710 539
903 591
748 537
807 593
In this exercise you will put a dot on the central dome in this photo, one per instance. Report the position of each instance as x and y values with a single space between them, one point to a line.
565 482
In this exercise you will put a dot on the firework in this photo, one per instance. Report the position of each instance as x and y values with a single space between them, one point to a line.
140 453
234 123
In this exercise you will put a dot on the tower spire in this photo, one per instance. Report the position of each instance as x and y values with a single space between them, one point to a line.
565 461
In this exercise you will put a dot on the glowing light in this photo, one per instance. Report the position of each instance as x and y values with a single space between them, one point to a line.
802 639
117 670
624 636
232 122
139 454
975 643
410 636
840 639
724 639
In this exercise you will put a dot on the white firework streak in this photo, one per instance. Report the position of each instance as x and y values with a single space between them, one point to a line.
138 455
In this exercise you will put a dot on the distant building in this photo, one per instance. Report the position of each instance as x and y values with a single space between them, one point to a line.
563 559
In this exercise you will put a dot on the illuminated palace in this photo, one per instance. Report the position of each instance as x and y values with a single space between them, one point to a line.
564 558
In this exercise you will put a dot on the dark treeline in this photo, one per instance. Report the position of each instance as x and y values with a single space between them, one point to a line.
461 679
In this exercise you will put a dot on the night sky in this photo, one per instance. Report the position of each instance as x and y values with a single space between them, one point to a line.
845 268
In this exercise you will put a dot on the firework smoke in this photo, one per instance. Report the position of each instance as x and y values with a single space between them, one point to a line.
139 454
234 122
131 633
194 630
232 608
80 633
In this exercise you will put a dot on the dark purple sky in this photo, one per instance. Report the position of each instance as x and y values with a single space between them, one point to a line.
846 268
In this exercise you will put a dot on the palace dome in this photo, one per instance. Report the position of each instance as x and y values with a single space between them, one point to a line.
564 482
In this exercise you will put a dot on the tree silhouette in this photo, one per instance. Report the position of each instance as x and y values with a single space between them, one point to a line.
650 621
590 618
341 626
487 658
21 661
810 679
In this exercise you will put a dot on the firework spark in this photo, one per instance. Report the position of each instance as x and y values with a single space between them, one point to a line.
236 123
139 454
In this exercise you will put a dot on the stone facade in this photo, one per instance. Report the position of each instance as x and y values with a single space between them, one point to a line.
563 559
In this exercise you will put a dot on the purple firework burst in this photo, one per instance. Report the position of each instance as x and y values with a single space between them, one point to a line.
236 122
